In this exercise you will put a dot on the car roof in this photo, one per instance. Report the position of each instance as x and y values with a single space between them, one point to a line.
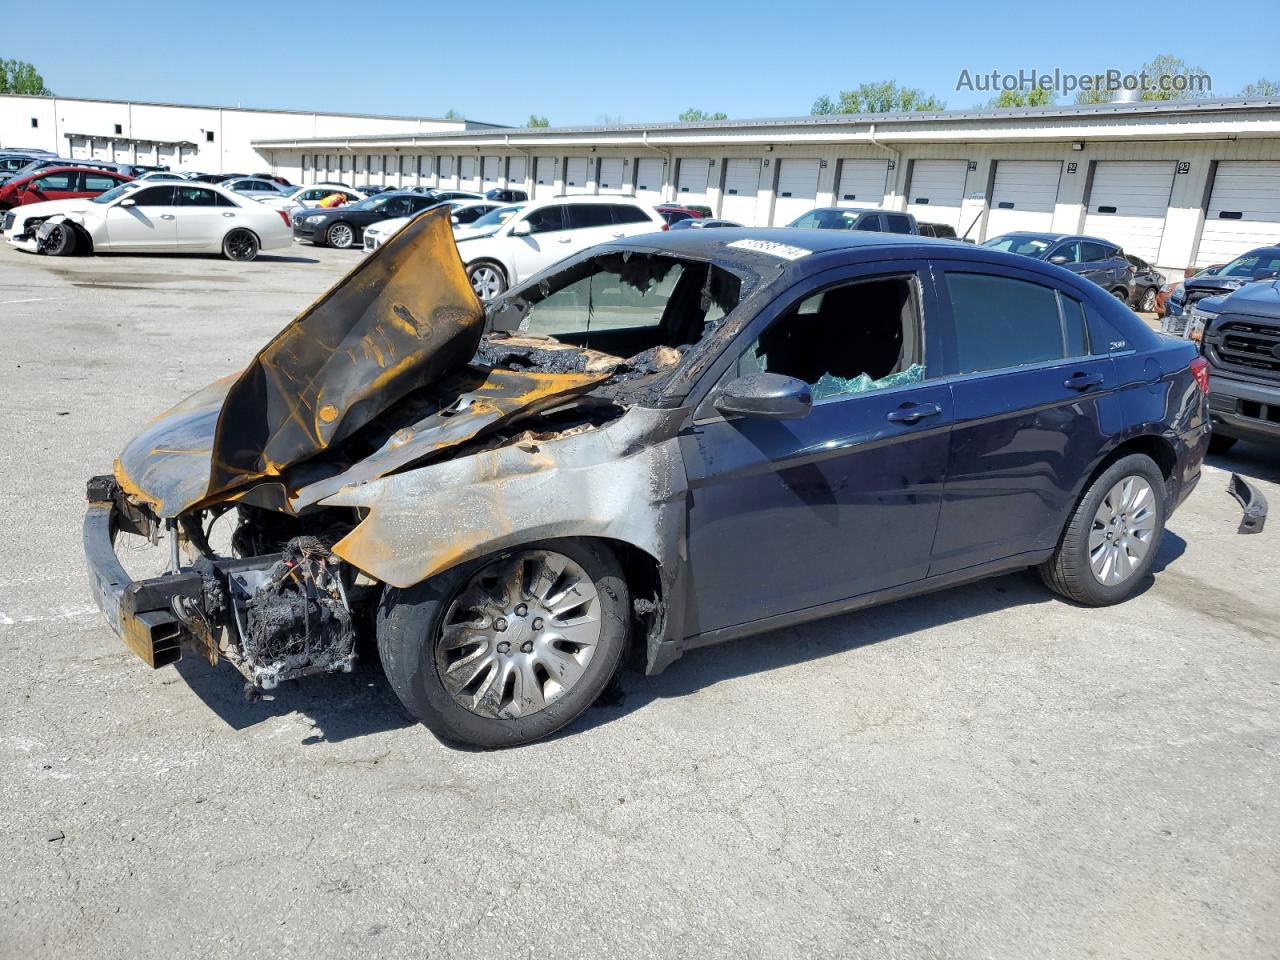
590 198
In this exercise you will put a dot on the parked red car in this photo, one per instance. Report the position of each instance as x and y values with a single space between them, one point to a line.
675 212
59 183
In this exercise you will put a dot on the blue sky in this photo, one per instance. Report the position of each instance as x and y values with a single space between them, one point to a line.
580 63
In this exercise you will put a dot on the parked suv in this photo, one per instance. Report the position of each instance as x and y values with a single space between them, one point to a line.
544 233
1262 263
1240 337
622 449
857 218
1092 258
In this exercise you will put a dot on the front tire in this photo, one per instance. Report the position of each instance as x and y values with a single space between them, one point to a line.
61 242
510 648
240 246
1148 302
488 280
340 235
1112 538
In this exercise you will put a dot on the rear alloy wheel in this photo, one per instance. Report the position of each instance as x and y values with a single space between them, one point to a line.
340 235
1111 541
1148 304
507 649
487 280
61 241
240 245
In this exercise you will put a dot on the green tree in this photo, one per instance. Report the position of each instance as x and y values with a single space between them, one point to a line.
1032 97
537 121
1166 78
452 114
694 115
1262 88
18 76
881 97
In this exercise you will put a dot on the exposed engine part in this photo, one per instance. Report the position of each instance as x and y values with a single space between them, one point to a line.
294 618
262 531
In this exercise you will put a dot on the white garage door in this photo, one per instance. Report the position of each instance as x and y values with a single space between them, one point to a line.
492 170
1023 196
611 175
741 187
1129 203
936 192
575 175
649 174
861 183
517 169
545 177
1244 210
469 173
692 184
448 172
797 191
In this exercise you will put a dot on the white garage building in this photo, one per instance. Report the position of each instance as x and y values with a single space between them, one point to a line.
182 137
1174 183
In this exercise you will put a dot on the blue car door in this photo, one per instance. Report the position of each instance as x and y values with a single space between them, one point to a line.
1033 405
786 515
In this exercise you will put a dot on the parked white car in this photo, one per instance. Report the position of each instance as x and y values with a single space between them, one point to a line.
149 217
255 187
298 198
466 213
546 232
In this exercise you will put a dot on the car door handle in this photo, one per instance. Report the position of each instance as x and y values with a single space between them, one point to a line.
913 412
228 214
617 235
166 216
565 240
1082 381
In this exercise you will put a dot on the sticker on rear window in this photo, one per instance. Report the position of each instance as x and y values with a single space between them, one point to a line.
771 247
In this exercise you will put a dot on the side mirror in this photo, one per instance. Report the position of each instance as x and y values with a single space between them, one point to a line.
521 229
770 396
126 202
1059 260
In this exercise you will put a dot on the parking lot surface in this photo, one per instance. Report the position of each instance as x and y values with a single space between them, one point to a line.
985 772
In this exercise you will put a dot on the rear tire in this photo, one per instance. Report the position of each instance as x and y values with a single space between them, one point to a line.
509 679
62 241
1112 538
1220 444
340 235
1121 294
240 245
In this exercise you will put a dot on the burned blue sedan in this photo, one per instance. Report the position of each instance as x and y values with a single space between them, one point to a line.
661 443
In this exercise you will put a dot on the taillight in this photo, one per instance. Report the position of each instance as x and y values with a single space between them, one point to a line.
1200 370
284 215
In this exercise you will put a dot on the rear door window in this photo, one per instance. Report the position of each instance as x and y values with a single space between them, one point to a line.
583 216
1002 322
625 213
898 223
98 183
196 197
1091 252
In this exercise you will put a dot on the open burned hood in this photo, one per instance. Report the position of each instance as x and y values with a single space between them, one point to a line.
403 318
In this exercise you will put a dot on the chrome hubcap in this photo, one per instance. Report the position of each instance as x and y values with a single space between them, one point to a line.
486 282
1123 530
519 635
341 236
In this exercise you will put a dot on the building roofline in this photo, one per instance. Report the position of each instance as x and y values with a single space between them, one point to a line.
816 124
214 106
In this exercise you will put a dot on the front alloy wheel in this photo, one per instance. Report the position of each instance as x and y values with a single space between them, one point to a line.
520 635
1148 304
341 235
506 649
487 281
